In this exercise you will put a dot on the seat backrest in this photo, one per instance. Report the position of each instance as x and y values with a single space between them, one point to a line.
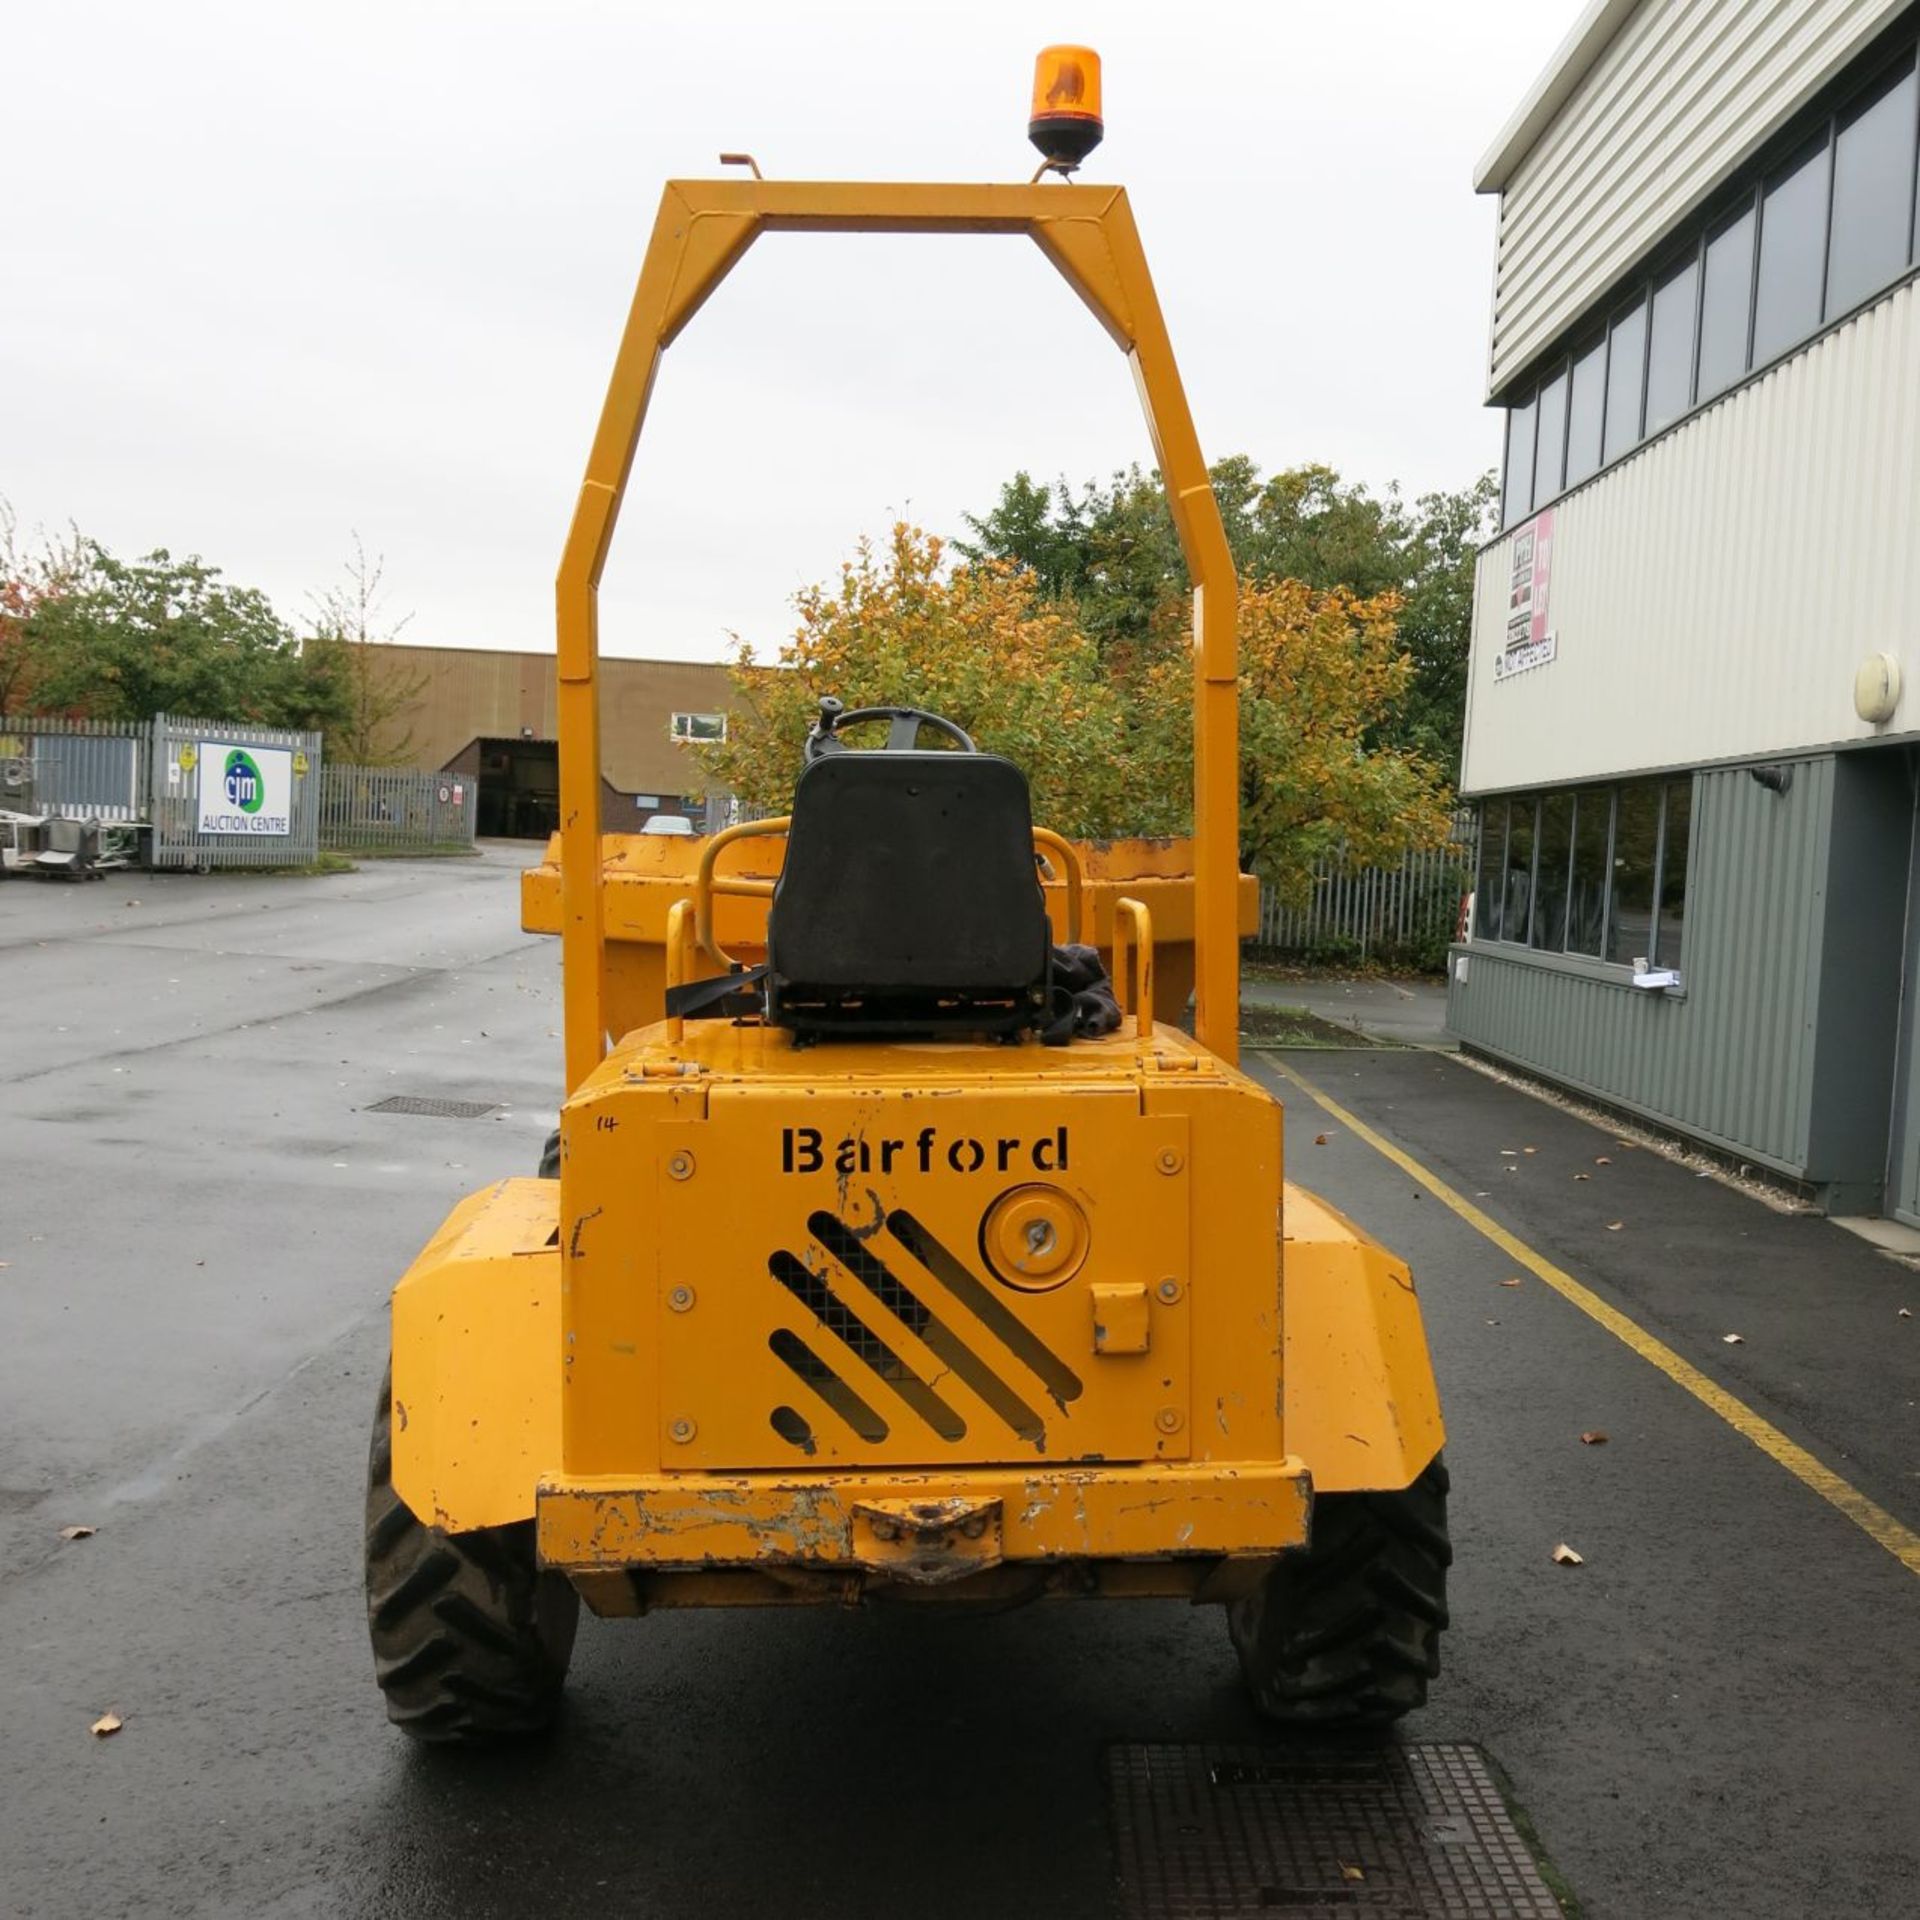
909 879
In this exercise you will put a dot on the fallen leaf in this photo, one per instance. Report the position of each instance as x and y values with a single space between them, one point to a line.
78 1533
1905 1313
1529 1149
1509 1169
1482 1194
1733 1340
1493 1323
1583 1176
109 1722
1593 1438
1614 1226
1510 1153
1319 1139
1564 1556
1350 1873
1514 1282
1601 1160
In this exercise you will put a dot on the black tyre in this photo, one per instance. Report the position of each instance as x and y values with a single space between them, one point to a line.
471 1637
550 1157
1347 1632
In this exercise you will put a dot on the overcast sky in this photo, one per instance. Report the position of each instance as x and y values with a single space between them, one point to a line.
278 272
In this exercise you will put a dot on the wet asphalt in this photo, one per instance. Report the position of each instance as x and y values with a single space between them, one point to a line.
1717 1714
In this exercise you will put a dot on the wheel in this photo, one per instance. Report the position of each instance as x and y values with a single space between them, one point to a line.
471 1636
550 1157
1347 1632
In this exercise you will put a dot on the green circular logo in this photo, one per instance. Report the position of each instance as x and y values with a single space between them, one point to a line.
245 789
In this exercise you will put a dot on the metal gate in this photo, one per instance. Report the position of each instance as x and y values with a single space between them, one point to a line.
78 769
234 796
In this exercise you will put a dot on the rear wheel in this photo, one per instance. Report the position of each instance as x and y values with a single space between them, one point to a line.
471 1637
1347 1632
550 1157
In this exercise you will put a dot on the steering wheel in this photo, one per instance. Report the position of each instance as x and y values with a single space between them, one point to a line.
903 728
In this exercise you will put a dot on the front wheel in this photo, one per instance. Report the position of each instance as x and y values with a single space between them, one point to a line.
471 1636
1346 1632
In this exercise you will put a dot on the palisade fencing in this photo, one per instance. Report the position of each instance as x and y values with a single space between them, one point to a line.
1362 912
397 809
78 769
233 795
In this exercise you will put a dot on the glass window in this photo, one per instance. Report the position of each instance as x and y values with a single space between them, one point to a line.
1587 891
1588 397
1550 887
698 726
1670 353
1550 438
1793 243
1519 870
1626 355
1491 884
1519 498
1726 297
1673 874
1872 195
1630 898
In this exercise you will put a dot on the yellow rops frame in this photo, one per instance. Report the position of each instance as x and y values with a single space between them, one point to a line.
703 228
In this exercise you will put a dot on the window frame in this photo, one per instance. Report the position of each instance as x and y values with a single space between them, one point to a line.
1594 966
686 737
1883 67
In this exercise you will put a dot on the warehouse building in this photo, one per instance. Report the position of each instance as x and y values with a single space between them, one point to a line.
490 717
1691 721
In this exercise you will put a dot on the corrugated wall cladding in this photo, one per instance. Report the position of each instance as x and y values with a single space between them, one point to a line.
1731 1059
1686 91
1713 595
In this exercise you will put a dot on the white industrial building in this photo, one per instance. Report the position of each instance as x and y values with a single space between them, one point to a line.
1691 711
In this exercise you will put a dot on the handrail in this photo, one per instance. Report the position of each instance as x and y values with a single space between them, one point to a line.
1076 876
706 883
1133 917
680 920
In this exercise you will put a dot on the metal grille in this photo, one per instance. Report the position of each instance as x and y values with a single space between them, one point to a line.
1363 911
1398 1833
397 807
434 1109
84 769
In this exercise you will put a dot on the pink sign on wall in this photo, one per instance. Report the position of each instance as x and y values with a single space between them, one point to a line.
1529 642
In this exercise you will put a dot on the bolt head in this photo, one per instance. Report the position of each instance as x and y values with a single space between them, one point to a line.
1169 1161
1168 1420
680 1299
680 1166
1168 1290
683 1430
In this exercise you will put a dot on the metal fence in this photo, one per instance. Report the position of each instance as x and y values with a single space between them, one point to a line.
234 796
1364 912
78 769
397 809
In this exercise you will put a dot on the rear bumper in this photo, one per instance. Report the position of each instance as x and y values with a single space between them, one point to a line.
923 1528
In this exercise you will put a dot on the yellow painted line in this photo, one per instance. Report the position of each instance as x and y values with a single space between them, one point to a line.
1899 1540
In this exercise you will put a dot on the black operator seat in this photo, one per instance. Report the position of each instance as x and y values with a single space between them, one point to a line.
909 900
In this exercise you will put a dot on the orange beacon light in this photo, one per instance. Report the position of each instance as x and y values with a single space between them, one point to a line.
1065 122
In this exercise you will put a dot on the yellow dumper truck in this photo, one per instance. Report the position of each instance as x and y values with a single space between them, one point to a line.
895 1248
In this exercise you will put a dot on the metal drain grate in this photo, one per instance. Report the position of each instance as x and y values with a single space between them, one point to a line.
1398 1833
434 1109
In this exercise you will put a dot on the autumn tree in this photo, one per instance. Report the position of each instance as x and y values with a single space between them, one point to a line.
1113 550
126 639
351 633
1103 731
29 575
978 643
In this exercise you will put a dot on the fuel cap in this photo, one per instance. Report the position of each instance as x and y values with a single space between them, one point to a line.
1034 1238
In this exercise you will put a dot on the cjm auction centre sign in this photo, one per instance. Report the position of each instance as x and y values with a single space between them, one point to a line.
245 789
